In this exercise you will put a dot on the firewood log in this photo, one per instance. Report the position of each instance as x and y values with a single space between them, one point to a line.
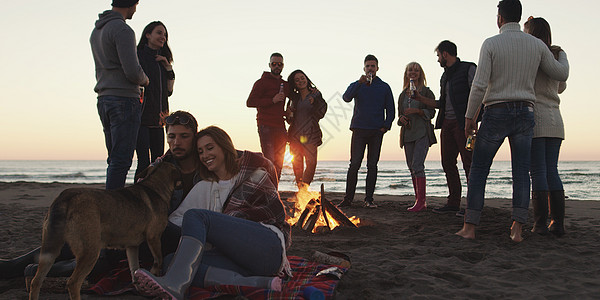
312 219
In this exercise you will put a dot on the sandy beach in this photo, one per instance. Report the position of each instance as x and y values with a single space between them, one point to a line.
395 254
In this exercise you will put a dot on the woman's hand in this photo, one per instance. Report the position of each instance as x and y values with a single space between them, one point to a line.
403 120
313 91
163 60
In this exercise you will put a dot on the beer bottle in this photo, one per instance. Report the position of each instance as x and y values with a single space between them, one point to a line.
471 141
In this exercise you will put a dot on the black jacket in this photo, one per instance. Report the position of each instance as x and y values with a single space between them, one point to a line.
156 93
457 76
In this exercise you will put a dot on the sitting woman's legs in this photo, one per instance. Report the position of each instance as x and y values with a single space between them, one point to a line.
248 244
217 269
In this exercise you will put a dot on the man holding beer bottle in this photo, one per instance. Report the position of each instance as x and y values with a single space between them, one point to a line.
373 115
268 96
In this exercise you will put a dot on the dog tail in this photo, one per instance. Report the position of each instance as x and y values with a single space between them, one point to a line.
53 239
53 234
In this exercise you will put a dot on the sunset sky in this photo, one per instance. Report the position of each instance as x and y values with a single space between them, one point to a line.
220 48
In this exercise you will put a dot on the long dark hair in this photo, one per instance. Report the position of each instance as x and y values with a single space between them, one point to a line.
226 144
294 93
540 28
165 50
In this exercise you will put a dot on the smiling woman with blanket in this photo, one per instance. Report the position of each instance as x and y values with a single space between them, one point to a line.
232 224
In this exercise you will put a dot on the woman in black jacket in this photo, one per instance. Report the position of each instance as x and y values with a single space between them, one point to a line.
155 58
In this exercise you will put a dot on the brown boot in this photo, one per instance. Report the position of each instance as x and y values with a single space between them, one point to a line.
557 213
539 199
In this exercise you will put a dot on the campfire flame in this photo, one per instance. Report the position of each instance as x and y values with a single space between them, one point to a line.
325 221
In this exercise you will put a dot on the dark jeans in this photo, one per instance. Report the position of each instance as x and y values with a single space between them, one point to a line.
362 138
150 146
303 152
453 142
120 117
515 121
272 143
243 246
544 164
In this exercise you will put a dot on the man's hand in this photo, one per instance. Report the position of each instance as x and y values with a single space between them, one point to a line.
363 79
470 125
429 102
279 97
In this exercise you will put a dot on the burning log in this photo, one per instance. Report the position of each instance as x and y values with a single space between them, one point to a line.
312 220
307 210
316 214
336 214
333 211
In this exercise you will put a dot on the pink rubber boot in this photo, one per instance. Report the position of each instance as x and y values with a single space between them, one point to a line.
420 202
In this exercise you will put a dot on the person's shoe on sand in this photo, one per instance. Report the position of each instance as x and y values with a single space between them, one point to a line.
467 232
515 232
345 203
370 204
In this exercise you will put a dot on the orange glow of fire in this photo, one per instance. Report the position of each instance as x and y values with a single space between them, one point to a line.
303 196
288 158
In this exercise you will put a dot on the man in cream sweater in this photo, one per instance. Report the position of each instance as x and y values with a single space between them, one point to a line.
504 83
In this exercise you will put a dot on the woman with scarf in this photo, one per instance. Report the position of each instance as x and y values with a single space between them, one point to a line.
233 228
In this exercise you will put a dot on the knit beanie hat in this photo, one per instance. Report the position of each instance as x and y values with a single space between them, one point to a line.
124 3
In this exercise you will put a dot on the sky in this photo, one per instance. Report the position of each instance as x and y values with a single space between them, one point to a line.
220 48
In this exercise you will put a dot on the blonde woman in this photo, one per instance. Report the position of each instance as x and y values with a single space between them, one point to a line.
416 132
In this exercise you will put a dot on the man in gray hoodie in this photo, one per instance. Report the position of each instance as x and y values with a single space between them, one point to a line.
119 77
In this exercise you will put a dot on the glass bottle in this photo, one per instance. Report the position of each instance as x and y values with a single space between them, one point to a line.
471 141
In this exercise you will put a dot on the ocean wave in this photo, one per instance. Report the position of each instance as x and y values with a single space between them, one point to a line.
71 175
398 186
580 174
328 179
14 176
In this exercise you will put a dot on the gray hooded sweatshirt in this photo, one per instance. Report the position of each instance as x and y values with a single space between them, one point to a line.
118 71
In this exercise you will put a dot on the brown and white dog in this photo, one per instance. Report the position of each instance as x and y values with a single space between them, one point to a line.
92 219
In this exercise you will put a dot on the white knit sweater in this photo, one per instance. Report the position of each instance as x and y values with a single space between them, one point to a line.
548 121
507 68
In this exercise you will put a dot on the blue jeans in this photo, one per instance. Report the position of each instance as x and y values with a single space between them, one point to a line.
240 245
515 121
272 143
362 138
120 117
150 146
415 153
544 164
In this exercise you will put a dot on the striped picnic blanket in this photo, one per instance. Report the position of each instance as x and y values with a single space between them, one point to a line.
304 272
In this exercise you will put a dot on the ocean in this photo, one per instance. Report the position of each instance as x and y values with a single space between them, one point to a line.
581 179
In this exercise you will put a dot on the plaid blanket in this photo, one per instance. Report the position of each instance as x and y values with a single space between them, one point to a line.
304 271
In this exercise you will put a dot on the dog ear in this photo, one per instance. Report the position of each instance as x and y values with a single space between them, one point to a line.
140 176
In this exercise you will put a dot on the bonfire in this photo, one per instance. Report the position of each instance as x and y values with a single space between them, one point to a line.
314 213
